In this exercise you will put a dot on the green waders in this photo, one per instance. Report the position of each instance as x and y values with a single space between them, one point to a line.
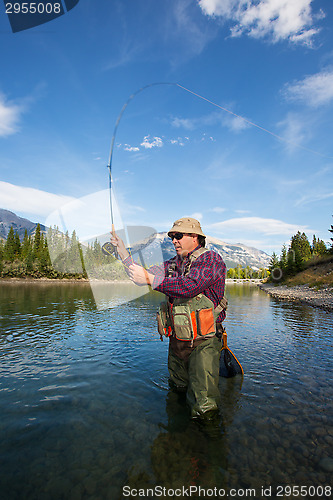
198 374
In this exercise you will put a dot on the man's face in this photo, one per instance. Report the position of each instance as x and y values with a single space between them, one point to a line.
186 244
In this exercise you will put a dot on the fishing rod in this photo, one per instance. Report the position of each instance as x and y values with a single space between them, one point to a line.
131 97
109 165
108 248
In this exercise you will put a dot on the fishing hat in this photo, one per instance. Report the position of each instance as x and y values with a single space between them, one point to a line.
186 225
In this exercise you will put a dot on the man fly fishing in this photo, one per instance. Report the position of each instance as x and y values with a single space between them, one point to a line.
193 282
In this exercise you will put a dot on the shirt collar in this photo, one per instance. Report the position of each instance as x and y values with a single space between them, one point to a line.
188 255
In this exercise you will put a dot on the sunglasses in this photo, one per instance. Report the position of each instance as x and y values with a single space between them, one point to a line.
178 236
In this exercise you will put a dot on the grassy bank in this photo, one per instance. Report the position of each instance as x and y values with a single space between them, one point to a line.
318 273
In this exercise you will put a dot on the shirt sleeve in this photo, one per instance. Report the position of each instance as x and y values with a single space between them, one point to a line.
204 272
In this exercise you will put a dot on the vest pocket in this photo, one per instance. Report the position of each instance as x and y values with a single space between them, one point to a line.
182 323
206 321
163 320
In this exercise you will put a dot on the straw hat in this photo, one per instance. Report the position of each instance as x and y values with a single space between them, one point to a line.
186 225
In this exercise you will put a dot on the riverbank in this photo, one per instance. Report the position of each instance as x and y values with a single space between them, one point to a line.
303 294
86 280
20 281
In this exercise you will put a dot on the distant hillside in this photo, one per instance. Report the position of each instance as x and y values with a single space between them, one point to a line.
19 224
232 254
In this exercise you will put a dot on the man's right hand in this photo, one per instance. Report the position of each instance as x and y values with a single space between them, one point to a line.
120 246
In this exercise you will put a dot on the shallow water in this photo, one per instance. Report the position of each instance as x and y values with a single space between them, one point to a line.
86 410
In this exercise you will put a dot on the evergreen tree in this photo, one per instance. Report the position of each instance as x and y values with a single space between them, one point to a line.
331 231
314 244
17 246
274 262
318 246
321 248
74 264
37 239
10 245
291 265
26 245
43 256
56 248
301 246
2 252
283 263
274 268
294 261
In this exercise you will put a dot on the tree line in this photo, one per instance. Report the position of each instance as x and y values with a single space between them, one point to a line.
297 256
55 255
58 255
247 272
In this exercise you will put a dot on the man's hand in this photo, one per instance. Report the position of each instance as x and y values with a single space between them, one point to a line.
120 246
140 276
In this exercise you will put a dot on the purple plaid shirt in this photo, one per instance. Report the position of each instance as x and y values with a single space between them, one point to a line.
206 275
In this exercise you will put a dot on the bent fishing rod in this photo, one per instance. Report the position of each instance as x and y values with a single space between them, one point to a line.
131 97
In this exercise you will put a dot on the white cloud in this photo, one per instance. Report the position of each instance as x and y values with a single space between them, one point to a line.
293 130
291 20
179 141
184 123
10 114
189 33
127 147
155 142
312 198
196 215
259 225
218 210
313 90
225 117
235 123
30 200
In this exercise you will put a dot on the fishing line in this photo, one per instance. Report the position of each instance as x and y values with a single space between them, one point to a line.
276 136
283 139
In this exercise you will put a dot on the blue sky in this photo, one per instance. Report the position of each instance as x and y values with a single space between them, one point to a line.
63 84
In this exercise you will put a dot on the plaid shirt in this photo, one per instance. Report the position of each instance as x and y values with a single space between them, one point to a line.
206 275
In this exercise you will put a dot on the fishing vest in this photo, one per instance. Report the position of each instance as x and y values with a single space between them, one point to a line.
189 318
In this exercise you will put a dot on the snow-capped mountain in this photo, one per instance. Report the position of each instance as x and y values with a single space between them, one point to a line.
233 254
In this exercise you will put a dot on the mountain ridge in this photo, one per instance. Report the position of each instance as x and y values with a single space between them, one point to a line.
233 254
9 219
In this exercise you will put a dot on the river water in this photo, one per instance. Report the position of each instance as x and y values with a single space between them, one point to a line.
86 412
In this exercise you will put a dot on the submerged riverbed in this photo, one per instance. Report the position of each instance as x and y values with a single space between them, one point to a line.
86 409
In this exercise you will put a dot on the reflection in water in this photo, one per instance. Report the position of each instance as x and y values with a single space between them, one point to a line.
185 452
43 298
190 453
85 406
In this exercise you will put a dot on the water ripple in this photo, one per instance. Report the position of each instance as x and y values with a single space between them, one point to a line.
86 408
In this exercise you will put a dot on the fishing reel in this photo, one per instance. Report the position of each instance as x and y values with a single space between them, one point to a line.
109 249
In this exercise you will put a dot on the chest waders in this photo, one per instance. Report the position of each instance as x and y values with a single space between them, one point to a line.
188 319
